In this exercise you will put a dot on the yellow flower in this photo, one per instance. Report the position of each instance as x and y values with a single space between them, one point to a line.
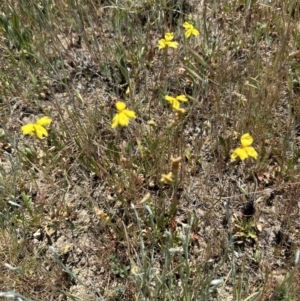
167 41
123 115
167 179
190 30
245 150
38 128
174 101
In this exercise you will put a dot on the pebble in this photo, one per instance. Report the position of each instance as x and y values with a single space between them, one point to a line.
38 234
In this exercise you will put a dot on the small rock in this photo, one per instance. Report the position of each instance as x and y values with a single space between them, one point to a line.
35 241
38 234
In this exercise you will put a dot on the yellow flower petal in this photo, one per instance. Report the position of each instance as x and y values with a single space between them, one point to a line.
188 33
172 44
233 156
187 25
28 129
169 36
123 119
120 106
40 131
167 179
181 98
195 32
239 152
162 44
246 140
170 99
115 121
175 104
130 114
251 152
44 121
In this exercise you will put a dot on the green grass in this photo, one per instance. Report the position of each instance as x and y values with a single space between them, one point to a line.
84 214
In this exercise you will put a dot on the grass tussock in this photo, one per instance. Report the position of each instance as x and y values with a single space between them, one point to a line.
149 150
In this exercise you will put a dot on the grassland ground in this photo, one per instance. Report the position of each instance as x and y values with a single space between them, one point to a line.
156 210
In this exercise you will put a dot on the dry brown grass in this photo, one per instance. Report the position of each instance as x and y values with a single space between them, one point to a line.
238 222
